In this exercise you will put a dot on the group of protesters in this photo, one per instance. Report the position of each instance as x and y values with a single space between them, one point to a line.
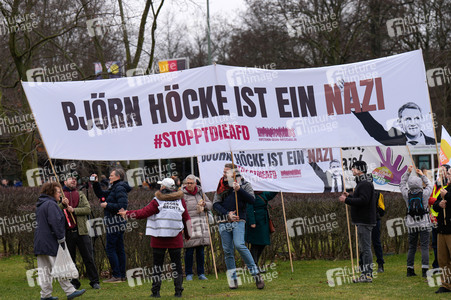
427 212
178 217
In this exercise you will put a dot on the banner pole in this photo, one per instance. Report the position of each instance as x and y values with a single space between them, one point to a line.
436 149
208 224
234 180
211 242
286 231
347 217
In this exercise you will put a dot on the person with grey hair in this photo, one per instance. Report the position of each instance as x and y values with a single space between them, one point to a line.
112 200
197 204
417 220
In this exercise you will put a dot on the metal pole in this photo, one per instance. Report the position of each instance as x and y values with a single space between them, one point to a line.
208 32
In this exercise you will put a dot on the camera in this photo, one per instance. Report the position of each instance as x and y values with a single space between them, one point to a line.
92 178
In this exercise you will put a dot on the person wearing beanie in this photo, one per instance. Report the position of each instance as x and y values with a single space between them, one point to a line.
363 215
168 222
417 225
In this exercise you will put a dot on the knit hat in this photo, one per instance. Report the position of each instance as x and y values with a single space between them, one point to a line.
360 165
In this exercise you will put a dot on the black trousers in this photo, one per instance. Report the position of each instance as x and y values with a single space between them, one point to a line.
256 252
158 260
84 245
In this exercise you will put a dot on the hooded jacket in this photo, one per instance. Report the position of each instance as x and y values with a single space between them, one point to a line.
362 201
412 183
116 198
51 226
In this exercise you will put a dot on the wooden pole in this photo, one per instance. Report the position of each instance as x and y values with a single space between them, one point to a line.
208 226
211 242
436 149
347 217
286 231
234 180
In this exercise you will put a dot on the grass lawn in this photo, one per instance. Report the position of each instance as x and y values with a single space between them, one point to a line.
309 281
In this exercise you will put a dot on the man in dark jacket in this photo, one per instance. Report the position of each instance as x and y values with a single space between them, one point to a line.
77 234
232 229
363 214
115 198
444 236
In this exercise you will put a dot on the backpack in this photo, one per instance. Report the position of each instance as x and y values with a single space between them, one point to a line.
415 207
380 204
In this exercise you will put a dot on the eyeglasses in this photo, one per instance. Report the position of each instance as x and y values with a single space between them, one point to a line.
190 183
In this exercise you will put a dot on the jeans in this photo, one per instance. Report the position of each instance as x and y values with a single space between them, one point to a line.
424 245
189 253
84 245
232 236
434 247
377 245
158 261
366 257
116 252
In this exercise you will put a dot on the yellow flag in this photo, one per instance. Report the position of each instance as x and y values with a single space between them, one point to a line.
445 148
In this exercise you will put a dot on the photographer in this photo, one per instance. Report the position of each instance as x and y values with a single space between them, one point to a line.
116 197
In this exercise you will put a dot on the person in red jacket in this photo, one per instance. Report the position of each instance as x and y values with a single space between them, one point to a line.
168 218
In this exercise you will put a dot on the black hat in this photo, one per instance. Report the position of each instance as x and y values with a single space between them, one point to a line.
360 165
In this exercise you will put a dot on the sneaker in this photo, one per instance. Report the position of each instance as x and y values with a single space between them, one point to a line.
76 294
113 280
50 298
442 290
411 272
424 271
96 286
233 285
259 282
155 295
123 279
178 294
202 277
380 269
189 277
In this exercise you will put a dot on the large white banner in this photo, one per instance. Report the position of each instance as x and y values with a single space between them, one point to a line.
220 108
298 171
317 170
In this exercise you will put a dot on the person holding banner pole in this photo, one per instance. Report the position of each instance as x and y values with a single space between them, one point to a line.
441 183
444 236
363 214
232 227
197 204
417 219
